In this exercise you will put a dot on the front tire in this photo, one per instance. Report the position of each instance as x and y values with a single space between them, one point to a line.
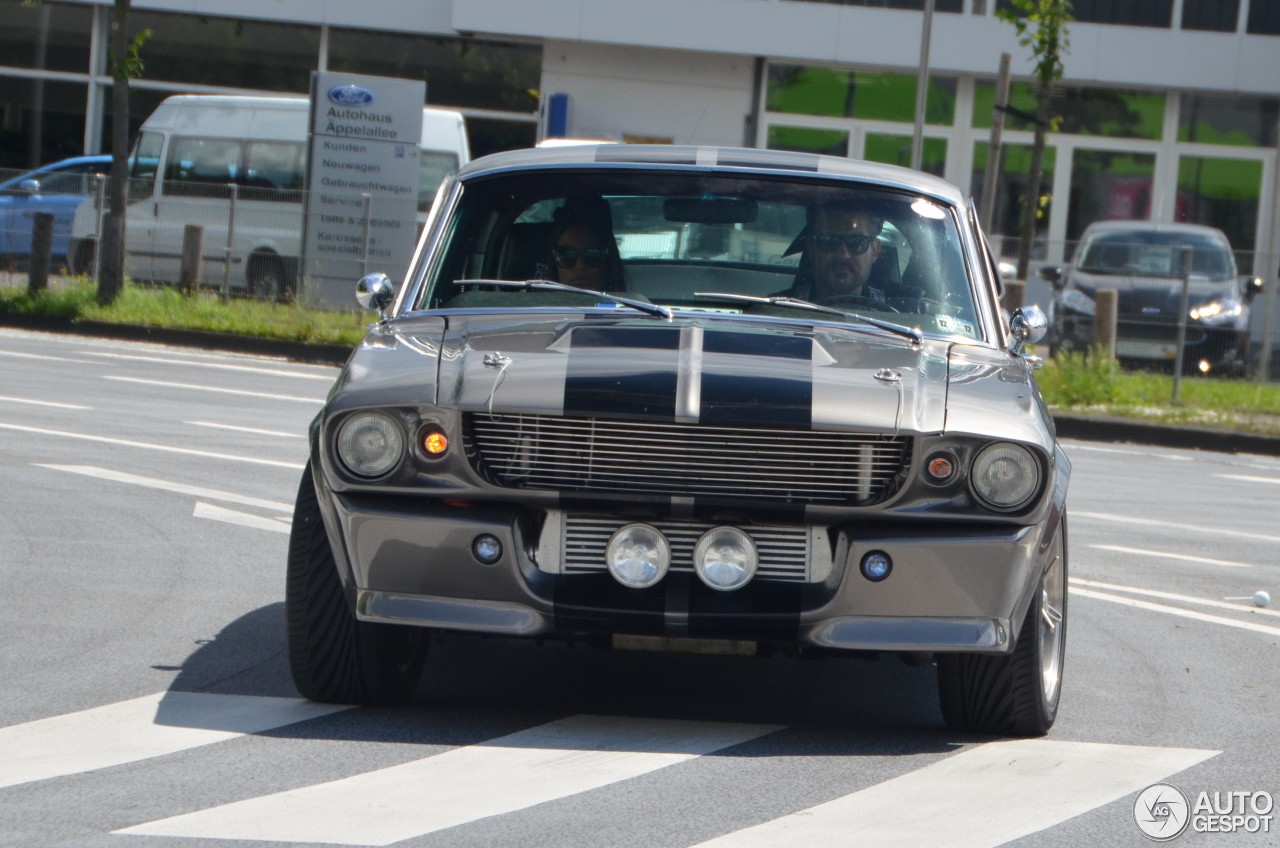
334 657
1014 694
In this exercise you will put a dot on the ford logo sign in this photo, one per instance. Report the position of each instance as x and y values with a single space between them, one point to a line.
350 95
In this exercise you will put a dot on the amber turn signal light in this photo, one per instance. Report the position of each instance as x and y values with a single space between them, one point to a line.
435 443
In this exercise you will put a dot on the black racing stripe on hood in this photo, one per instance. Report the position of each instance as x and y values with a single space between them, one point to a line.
742 395
648 392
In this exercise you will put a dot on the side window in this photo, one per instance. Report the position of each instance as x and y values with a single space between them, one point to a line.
144 162
201 167
272 171
433 167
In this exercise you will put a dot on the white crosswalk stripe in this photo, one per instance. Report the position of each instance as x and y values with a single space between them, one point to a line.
530 767
128 731
979 798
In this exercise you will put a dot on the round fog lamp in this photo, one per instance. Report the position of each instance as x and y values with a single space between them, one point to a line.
725 558
876 566
638 556
487 549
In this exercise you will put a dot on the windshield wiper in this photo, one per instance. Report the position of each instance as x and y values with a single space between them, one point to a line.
781 300
552 285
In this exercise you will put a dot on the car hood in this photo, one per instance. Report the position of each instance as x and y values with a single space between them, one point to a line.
727 372
1153 296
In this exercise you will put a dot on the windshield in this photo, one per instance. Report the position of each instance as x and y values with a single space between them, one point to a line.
681 239
1137 253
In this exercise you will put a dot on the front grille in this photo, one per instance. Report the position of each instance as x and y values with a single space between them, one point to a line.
783 551
760 464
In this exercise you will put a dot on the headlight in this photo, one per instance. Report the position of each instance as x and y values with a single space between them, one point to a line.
1005 476
1217 312
370 444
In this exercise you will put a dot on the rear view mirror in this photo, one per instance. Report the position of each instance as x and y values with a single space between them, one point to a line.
1251 287
709 210
376 292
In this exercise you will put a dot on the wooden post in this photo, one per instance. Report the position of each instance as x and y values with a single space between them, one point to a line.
192 249
1106 306
41 246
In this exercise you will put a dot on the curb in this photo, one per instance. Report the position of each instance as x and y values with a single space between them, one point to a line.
1084 427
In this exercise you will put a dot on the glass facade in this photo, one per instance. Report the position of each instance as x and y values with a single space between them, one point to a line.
1238 121
808 140
1264 17
459 72
1011 189
227 52
955 6
896 150
843 93
1211 15
1224 192
44 121
49 36
1110 112
1110 185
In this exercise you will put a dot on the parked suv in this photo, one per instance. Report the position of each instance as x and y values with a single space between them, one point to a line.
1142 261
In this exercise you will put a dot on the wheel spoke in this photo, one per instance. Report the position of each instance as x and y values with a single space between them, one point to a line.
1052 616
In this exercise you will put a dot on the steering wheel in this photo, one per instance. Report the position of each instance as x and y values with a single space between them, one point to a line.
842 300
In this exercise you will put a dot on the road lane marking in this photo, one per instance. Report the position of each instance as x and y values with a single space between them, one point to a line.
534 766
1095 449
1174 525
1178 611
170 486
139 729
1171 596
317 401
253 430
984 796
251 369
1162 555
244 519
107 440
43 403
1247 478
46 357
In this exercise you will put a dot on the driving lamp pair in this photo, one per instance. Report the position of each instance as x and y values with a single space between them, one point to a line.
638 556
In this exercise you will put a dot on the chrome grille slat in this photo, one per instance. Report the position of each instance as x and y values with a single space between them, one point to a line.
760 463
783 551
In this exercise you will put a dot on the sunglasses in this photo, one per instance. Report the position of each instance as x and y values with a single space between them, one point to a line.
856 245
567 257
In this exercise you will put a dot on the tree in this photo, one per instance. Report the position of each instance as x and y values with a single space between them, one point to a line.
1042 27
126 64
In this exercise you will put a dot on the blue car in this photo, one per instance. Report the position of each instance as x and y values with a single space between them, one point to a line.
58 188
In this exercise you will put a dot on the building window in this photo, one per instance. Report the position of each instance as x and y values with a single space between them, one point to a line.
1223 193
1109 112
44 121
235 53
808 140
1211 15
1237 121
895 149
1110 185
956 6
842 93
1148 13
46 36
1011 191
460 73
1264 17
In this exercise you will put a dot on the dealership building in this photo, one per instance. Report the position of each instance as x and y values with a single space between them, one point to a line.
1169 108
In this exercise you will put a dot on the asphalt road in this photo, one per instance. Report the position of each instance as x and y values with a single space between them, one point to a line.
147 700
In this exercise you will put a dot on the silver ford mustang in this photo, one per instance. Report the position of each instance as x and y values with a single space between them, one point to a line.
616 400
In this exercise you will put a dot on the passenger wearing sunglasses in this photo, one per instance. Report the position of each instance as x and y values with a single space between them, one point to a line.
583 251
840 246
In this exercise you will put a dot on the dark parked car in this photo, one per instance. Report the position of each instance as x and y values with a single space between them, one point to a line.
58 189
1142 261
693 455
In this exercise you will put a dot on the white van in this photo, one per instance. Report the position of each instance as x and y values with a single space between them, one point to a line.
189 153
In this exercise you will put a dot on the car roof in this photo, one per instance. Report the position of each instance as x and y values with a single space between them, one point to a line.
56 166
1153 227
581 156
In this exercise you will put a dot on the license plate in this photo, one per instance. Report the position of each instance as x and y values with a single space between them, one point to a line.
1136 349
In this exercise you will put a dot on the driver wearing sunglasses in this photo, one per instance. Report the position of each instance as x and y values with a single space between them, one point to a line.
583 251
840 246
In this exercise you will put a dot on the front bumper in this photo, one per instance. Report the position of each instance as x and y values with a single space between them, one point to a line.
952 588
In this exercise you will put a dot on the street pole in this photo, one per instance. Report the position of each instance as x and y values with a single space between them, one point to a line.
922 87
991 182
